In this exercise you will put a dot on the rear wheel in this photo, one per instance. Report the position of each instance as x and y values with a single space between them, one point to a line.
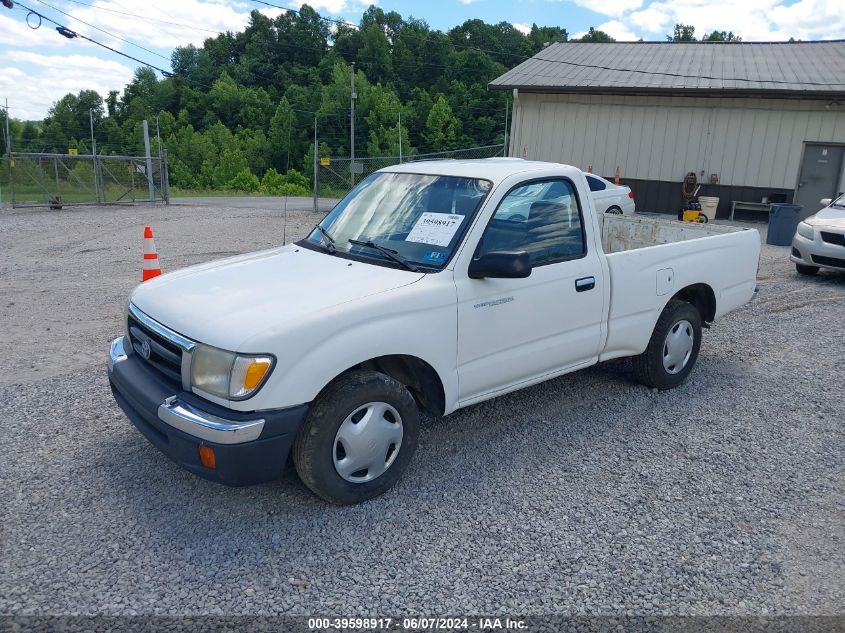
358 438
803 269
673 347
614 210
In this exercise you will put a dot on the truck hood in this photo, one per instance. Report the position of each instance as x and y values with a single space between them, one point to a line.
833 217
225 302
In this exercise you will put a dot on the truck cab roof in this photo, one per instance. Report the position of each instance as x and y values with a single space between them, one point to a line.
492 169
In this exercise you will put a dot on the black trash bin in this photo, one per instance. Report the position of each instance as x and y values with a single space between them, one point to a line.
783 220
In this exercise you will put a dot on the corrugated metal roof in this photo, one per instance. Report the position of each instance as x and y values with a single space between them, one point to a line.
811 69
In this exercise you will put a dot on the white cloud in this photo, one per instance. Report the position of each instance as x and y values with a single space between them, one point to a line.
652 20
753 20
336 7
164 29
618 31
32 93
525 29
615 8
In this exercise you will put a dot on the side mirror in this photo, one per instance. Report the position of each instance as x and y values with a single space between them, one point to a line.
825 202
501 265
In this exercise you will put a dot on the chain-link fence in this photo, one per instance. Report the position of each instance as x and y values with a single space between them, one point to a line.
59 180
336 176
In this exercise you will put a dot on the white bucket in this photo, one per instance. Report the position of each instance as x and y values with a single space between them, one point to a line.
709 206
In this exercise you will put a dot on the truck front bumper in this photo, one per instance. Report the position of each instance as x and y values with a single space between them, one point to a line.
249 448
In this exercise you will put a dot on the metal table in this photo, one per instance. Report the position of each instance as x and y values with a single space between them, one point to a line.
749 206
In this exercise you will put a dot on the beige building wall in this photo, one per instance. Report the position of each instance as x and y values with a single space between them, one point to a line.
747 142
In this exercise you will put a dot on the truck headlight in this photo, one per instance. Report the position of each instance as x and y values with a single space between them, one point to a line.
228 375
806 231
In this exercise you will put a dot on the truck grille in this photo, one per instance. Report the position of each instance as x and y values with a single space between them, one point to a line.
833 238
164 355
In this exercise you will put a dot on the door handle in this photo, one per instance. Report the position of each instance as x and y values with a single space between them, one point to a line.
585 283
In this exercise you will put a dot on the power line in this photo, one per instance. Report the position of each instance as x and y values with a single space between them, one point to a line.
142 17
70 34
117 37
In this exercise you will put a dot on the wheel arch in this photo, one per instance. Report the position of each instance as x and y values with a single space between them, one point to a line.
700 295
419 377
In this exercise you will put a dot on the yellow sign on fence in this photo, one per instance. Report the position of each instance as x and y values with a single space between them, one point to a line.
325 161
73 151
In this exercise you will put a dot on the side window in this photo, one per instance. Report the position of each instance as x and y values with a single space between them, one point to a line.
542 218
595 184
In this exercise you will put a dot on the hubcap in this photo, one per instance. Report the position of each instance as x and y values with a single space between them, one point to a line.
367 442
677 348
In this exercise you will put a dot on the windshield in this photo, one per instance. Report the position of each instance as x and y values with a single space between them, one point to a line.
839 202
419 218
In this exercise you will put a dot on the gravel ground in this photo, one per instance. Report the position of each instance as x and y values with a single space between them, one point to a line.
585 495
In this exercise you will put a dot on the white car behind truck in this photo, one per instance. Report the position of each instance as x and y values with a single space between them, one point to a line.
414 293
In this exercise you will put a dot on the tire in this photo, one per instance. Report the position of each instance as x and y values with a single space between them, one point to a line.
614 210
660 366
320 448
803 269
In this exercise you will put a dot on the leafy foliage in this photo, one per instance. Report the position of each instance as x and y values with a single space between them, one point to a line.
239 111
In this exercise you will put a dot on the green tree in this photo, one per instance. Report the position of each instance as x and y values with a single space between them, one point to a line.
246 181
441 126
721 36
682 33
594 35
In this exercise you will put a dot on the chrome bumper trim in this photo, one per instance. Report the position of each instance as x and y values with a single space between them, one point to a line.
117 352
185 343
193 421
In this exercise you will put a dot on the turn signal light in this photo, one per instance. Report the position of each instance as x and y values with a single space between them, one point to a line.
207 458
255 373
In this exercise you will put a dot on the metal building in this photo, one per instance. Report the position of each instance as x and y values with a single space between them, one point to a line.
754 121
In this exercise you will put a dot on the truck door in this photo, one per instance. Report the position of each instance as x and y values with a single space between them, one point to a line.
514 330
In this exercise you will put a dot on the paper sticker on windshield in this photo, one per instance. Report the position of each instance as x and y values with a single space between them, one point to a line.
435 228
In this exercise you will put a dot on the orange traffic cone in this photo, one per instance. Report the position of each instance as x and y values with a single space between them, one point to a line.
151 266
616 176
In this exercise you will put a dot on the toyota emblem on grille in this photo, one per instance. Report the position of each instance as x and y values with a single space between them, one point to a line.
145 349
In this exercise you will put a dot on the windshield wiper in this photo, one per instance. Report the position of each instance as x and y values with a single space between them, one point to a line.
328 241
387 252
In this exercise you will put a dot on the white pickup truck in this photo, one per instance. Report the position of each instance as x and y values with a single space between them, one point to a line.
413 293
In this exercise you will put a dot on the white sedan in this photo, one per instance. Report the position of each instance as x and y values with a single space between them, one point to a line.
819 241
610 198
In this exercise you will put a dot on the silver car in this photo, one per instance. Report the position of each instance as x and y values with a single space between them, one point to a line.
819 241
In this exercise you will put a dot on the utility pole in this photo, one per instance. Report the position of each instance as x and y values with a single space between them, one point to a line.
93 140
5 138
9 156
158 136
149 160
505 147
400 134
290 122
354 95
94 153
315 164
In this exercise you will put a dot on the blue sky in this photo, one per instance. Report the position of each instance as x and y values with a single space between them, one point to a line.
38 66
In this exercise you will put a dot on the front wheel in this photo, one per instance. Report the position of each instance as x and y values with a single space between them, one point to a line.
673 347
358 438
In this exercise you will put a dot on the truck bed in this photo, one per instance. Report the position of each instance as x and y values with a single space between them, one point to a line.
652 258
626 233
